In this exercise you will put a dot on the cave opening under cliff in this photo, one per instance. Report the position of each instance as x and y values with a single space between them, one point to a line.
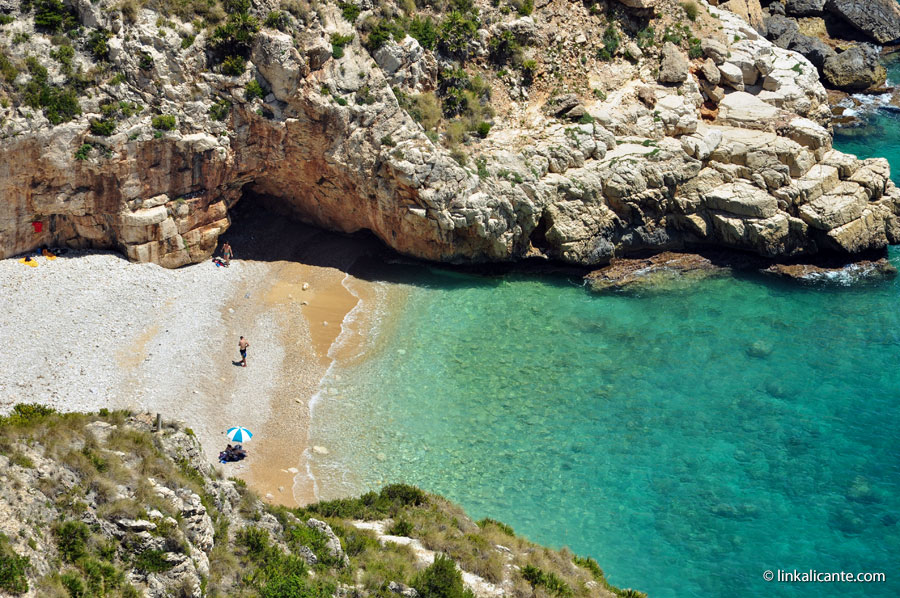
261 230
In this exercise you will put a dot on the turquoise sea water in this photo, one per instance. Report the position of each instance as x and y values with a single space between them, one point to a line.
688 440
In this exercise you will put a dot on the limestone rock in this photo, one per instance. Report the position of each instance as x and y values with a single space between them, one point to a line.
855 69
732 76
710 71
749 10
804 8
745 110
714 49
878 19
742 199
674 66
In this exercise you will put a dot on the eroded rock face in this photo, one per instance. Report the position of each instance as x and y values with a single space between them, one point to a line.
855 69
331 145
879 19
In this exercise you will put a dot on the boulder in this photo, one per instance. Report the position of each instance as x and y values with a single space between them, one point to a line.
741 109
710 72
855 69
732 76
781 30
878 19
714 49
742 199
559 105
673 67
815 50
804 8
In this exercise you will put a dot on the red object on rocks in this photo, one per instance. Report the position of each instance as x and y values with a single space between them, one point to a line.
38 226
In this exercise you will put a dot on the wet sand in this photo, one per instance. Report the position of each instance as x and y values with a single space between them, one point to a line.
136 336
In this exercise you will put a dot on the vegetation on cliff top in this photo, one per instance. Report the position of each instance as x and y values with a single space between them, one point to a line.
117 510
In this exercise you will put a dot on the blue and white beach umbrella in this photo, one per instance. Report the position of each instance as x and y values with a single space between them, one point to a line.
239 434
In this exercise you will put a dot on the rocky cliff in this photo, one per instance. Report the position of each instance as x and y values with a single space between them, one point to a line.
104 505
460 132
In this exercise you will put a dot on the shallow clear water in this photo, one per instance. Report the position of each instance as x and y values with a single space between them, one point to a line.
687 440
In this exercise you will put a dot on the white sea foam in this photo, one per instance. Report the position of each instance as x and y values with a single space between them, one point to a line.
331 376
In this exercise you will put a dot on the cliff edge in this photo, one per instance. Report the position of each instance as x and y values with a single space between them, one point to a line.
461 131
105 505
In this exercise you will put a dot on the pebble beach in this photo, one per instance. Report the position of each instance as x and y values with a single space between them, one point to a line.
91 330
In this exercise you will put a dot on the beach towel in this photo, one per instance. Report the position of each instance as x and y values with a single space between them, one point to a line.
32 262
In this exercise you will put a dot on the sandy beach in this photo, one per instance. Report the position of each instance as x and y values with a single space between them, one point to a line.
90 330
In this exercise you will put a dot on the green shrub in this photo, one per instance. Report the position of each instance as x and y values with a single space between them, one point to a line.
219 110
529 68
694 49
610 44
371 505
455 33
646 37
690 9
7 69
6 19
145 62
26 414
549 580
97 44
117 79
523 7
234 66
187 41
54 16
152 561
73 584
506 529
401 527
441 580
254 90
383 31
505 48
101 576
12 569
71 540
104 127
424 31
483 128
338 42
277 20
349 10
163 122
388 141
235 37
364 96
83 152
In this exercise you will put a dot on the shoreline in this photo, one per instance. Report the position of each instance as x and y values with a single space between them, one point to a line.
91 330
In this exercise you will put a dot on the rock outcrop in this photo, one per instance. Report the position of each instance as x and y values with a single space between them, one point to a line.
879 19
331 144
843 65
104 504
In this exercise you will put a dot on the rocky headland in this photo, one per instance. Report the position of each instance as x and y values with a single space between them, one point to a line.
463 132
109 505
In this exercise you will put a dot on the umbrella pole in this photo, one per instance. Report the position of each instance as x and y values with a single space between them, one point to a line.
158 425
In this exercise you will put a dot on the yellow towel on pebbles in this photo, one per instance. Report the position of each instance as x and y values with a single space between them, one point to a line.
48 255
32 262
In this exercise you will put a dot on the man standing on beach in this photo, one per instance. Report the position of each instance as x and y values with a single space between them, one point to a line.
227 254
242 347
